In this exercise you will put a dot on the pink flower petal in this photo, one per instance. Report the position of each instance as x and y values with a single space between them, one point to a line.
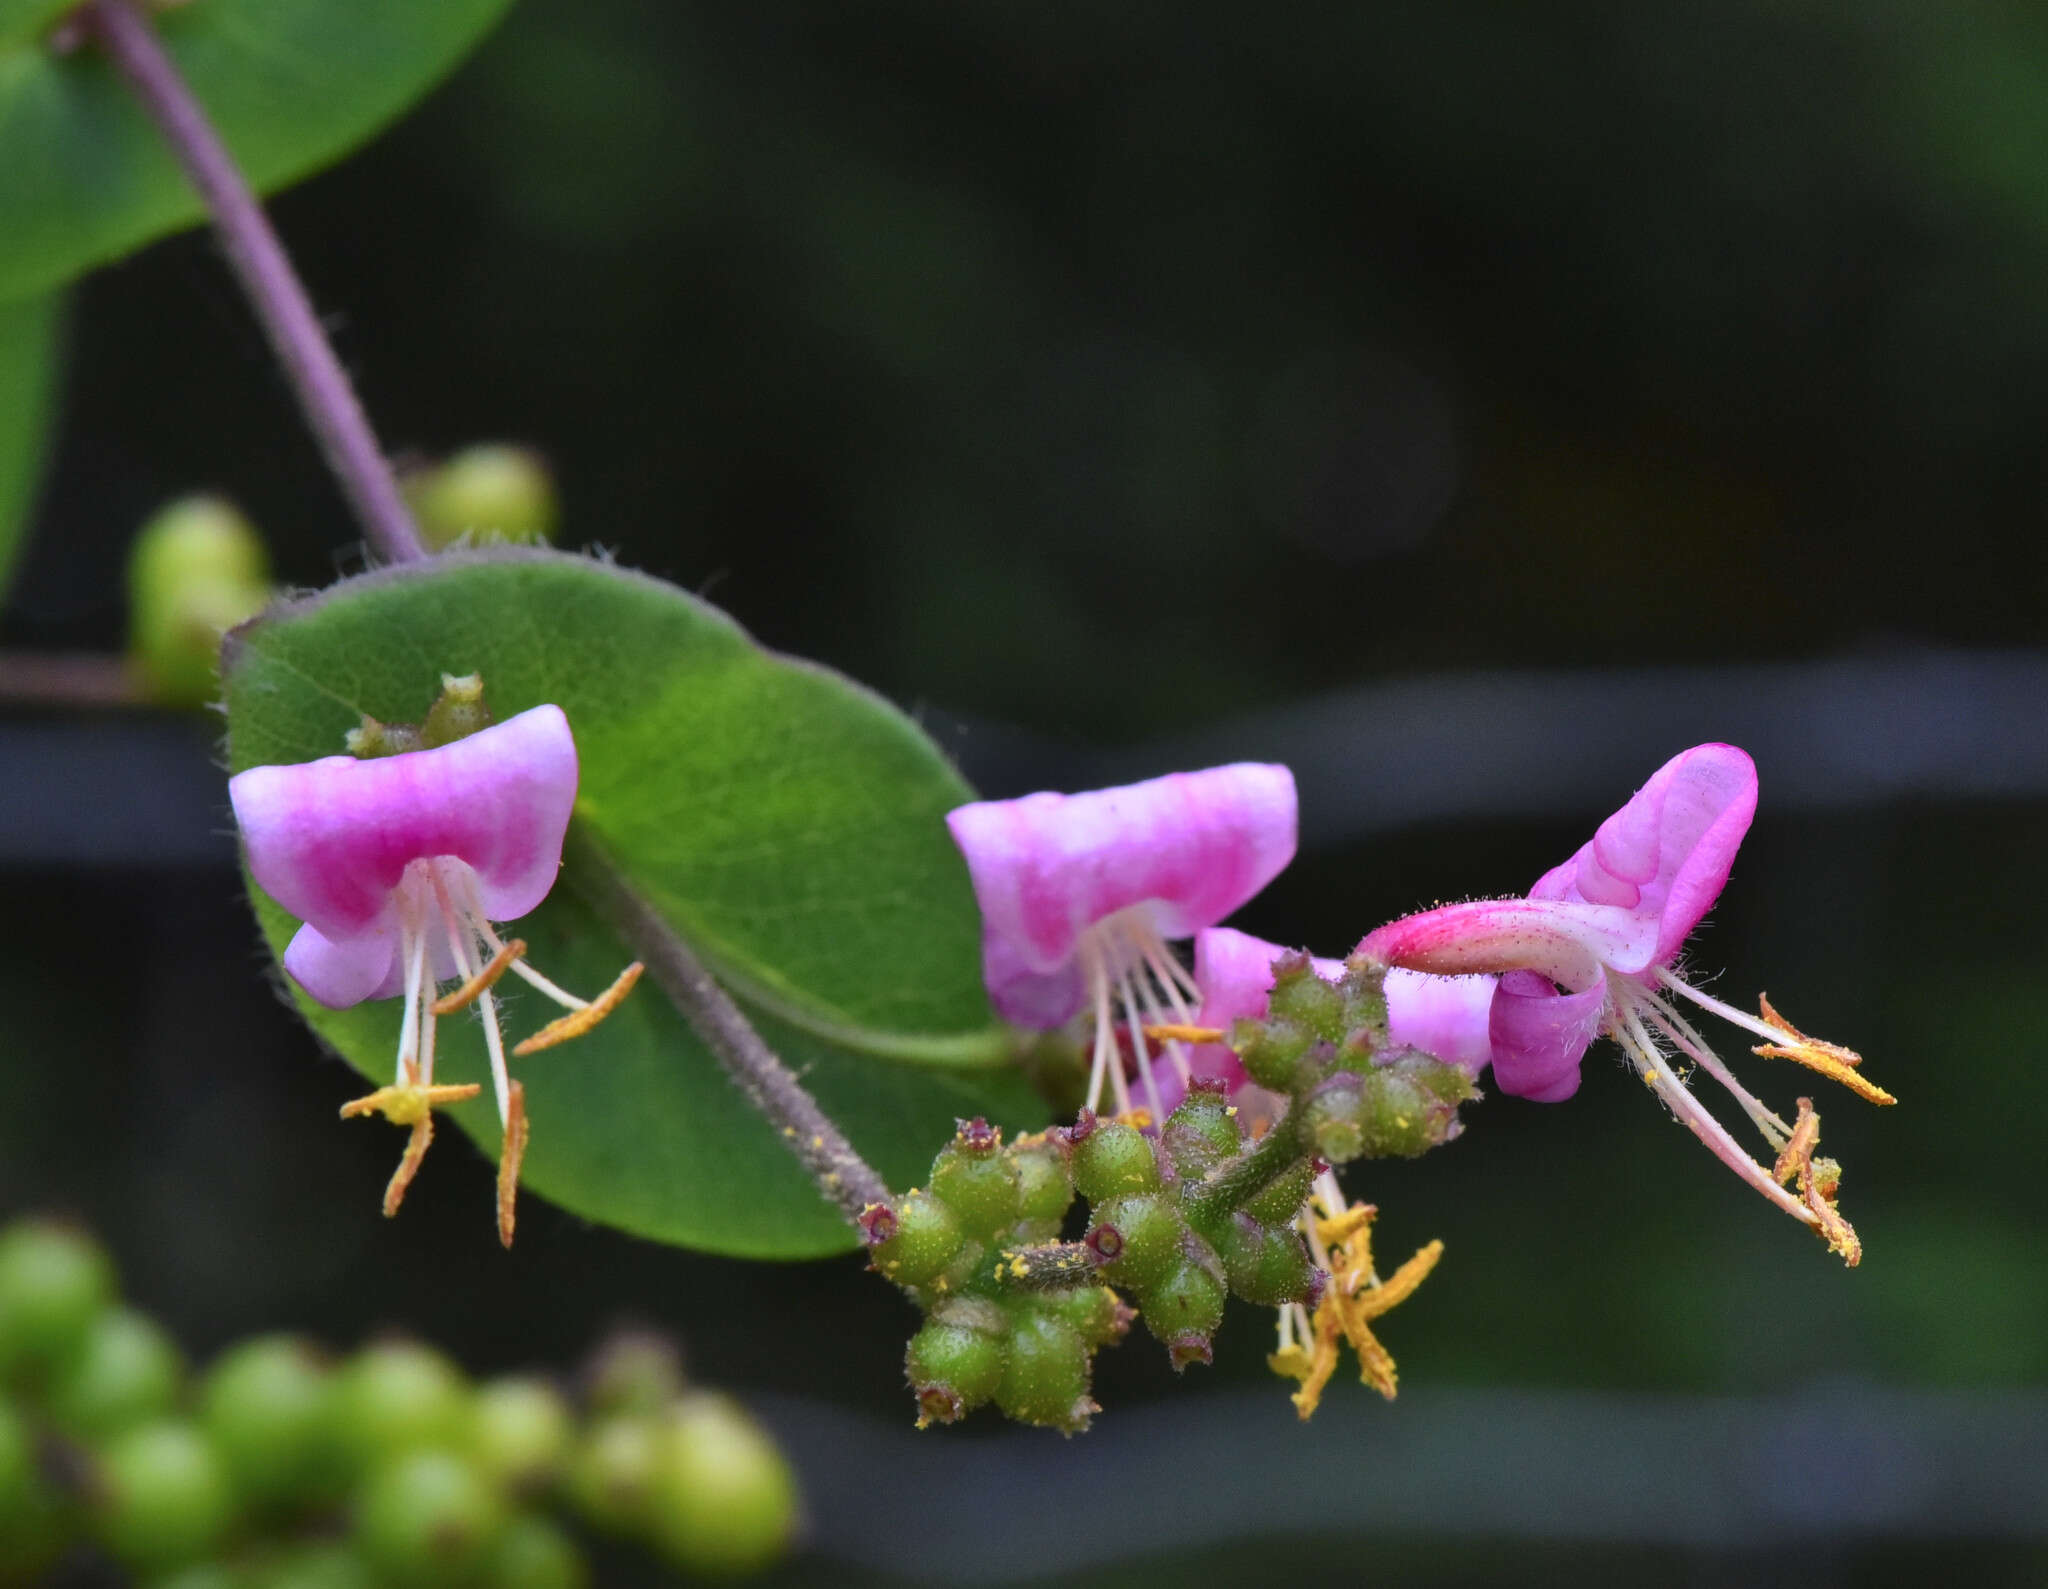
1539 1035
1666 855
1566 941
1183 851
329 839
1444 1016
344 973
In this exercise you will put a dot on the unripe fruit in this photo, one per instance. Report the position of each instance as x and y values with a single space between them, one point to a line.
1411 1105
1111 1158
724 1500
519 1432
162 1497
1281 1198
197 569
927 1237
1097 1312
210 1575
398 1396
634 1371
1183 1310
1202 1132
17 1459
954 1366
611 1471
1302 999
535 1554
1266 1265
978 1181
1046 1181
53 1280
1333 1117
268 1406
488 493
125 1371
428 1517
35 1527
1045 1379
325 1566
1150 1228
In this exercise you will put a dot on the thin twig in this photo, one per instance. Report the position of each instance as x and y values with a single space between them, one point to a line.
258 259
66 678
842 1174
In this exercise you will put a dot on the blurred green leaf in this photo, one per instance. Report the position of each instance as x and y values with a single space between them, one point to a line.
787 822
21 21
28 368
292 85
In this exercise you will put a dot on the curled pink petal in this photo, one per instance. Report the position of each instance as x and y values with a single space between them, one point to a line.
344 973
1182 852
1666 855
1539 1035
330 839
1565 940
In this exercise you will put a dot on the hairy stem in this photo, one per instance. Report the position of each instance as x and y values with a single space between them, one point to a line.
1049 1267
1244 1177
842 1174
258 260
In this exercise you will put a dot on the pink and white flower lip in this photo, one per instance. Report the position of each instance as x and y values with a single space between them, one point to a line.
1591 952
1081 893
1447 1017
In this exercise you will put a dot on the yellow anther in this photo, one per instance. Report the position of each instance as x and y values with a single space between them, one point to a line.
577 1022
1829 1059
510 1155
494 968
1183 1034
1820 1180
407 1104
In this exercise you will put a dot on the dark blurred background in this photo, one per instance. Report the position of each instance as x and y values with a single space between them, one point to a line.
1473 403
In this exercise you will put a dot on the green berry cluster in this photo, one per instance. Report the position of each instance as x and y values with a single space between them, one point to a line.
1326 1046
281 1468
1179 1220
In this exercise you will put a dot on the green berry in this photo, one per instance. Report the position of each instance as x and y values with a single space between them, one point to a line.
724 1500
197 569
35 1527
534 1553
1333 1117
487 493
428 1517
923 1237
124 1372
1111 1158
398 1396
978 1181
1184 1309
53 1280
331 1565
208 1575
611 1471
268 1405
1202 1132
634 1371
1097 1312
519 1432
955 1361
1045 1378
1304 1000
1045 1174
163 1497
1265 1264
1281 1198
1148 1231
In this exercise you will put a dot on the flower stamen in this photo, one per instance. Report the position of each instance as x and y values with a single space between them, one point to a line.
510 1157
584 1017
1829 1059
494 968
1820 1181
409 1103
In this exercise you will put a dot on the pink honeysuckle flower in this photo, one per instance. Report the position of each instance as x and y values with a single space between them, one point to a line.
1592 952
396 867
1080 895
1443 1016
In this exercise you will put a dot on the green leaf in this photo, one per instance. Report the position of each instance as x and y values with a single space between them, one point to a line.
292 85
786 822
28 380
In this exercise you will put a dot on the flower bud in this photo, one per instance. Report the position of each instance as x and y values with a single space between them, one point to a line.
1185 1307
1111 1158
1045 1377
978 1181
125 1371
486 493
1149 1226
724 1500
428 1517
458 711
926 1238
197 569
161 1497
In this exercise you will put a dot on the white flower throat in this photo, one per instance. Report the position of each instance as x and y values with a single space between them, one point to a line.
1133 981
